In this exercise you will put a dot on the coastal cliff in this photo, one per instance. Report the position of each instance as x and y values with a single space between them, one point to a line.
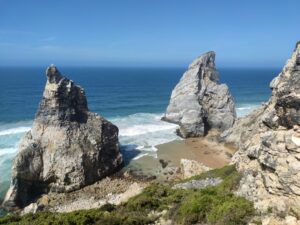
260 187
199 103
269 146
67 148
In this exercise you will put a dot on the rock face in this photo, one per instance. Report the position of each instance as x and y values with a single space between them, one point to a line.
269 145
198 184
67 148
198 102
190 168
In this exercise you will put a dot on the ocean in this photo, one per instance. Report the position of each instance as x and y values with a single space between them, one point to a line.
132 98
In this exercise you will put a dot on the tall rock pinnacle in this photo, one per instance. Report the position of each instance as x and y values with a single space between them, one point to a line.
198 102
67 148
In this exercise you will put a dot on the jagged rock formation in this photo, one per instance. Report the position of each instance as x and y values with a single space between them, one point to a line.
198 102
67 148
269 146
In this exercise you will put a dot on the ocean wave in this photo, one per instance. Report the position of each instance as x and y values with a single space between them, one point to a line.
244 110
10 135
143 131
140 156
139 133
15 130
141 123
7 151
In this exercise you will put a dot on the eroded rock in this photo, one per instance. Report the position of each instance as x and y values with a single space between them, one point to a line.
269 146
190 168
199 184
199 103
67 148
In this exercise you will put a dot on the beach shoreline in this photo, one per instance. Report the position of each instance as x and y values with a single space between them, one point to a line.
166 166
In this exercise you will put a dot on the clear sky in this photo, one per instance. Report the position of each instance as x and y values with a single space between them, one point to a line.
244 33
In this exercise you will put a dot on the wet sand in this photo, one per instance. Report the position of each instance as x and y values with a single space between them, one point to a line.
211 154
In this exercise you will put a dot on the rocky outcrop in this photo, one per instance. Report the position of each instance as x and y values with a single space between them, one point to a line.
269 146
199 103
67 148
190 168
199 184
115 191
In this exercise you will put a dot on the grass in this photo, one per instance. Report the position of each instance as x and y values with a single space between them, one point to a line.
212 205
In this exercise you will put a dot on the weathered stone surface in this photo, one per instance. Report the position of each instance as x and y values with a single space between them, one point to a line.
199 184
269 146
198 102
32 208
288 220
190 168
67 148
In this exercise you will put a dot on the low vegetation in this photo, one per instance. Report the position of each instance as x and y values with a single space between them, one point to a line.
2 212
212 205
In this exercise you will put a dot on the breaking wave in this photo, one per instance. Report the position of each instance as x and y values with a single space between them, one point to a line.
245 109
143 131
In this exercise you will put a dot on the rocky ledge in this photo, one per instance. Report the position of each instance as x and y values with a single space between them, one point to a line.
198 184
199 103
269 146
67 148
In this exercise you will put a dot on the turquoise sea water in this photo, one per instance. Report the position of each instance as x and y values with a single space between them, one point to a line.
132 98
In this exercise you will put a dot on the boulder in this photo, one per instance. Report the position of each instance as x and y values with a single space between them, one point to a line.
67 148
190 168
199 102
269 146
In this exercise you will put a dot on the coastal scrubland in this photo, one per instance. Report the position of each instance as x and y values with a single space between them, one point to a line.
211 205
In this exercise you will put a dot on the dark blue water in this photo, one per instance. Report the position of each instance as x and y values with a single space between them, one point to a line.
121 91
132 98
110 92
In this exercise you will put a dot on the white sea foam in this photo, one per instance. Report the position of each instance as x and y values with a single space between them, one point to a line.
143 131
140 156
10 135
7 151
15 130
244 110
140 132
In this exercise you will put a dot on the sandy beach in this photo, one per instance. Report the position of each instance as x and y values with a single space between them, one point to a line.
211 154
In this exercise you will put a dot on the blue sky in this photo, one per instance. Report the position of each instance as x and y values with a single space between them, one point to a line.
256 33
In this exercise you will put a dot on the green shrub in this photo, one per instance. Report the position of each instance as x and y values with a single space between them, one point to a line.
234 211
154 197
83 217
212 205
215 205
9 219
194 208
222 173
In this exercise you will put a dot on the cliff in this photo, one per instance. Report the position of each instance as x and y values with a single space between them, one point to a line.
67 148
269 146
199 103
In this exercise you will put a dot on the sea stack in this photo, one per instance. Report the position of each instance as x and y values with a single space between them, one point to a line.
199 103
269 146
67 148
